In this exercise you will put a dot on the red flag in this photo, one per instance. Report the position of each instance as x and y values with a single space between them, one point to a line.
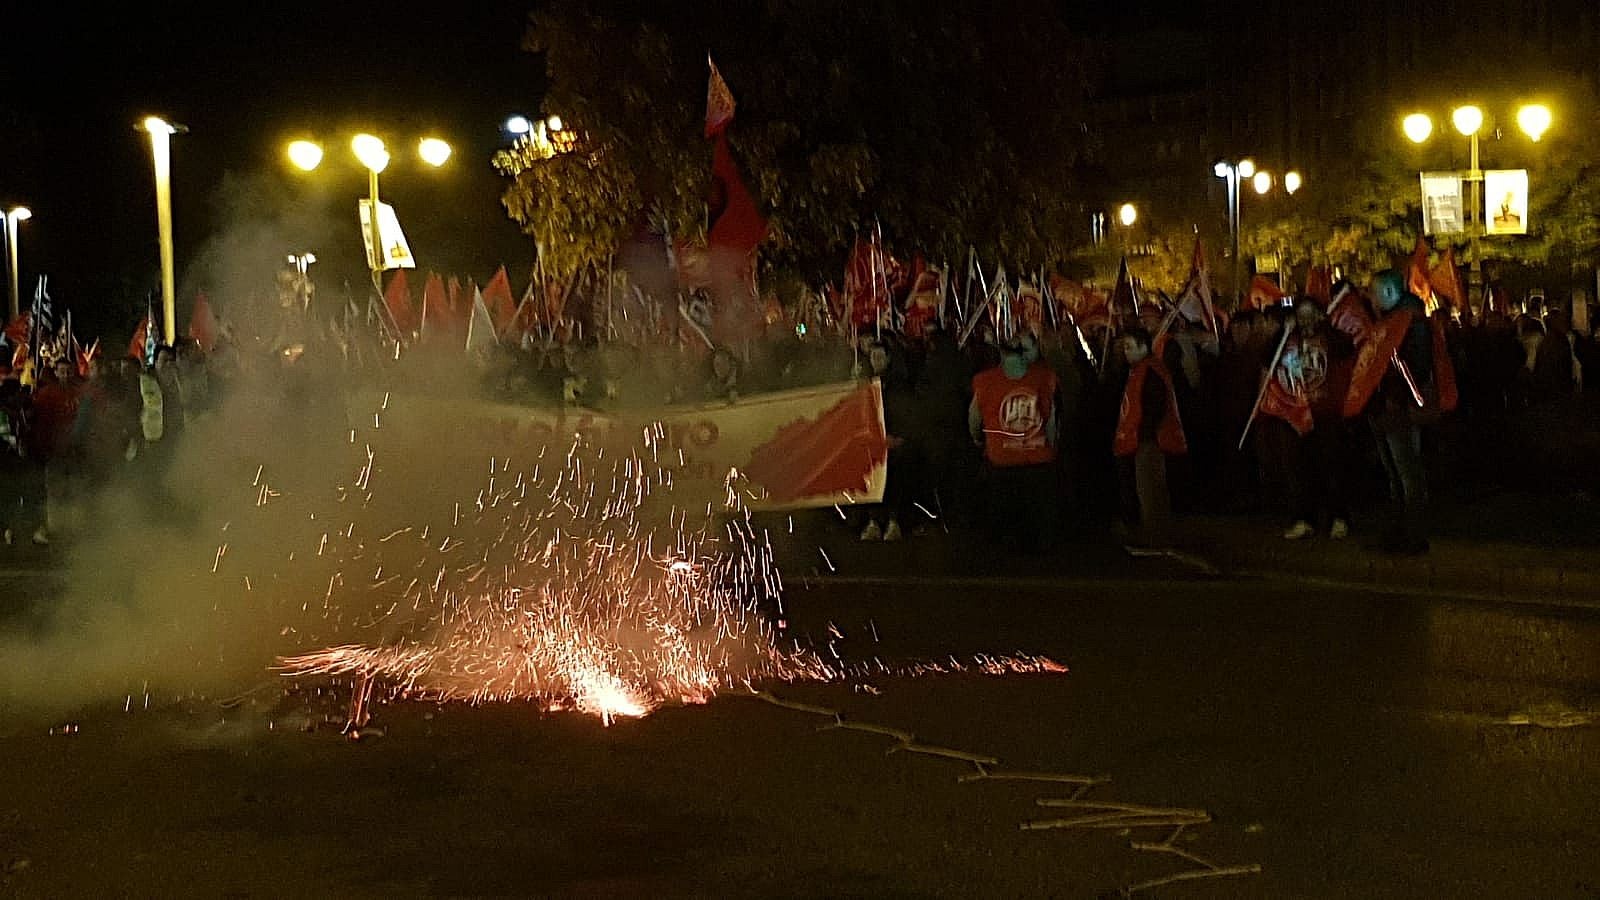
1319 285
397 300
1077 301
834 452
202 324
437 316
719 102
1195 301
1352 314
737 228
1285 397
525 316
17 329
1445 281
86 357
1373 357
458 300
1263 293
555 303
1091 310
136 345
866 285
1417 275
1027 307
497 297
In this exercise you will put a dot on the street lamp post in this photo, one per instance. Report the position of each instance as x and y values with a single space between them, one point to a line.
1232 172
302 267
1262 182
1534 119
161 133
374 156
13 216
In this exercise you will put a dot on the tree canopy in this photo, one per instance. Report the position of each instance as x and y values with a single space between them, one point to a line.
1366 211
948 128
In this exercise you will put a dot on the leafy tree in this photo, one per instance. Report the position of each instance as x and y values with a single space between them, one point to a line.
949 129
1364 212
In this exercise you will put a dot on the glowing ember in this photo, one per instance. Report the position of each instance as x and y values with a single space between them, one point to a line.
577 582
577 588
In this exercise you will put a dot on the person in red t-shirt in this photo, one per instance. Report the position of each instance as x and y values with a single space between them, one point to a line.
1013 419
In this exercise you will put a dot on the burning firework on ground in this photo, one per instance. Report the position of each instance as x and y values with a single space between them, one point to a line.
580 578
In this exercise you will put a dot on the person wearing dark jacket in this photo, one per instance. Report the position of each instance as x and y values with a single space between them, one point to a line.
943 394
904 432
1394 415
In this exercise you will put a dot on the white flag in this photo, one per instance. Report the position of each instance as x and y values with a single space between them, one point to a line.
396 252
480 328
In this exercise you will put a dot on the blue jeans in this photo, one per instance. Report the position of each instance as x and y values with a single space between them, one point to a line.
1400 448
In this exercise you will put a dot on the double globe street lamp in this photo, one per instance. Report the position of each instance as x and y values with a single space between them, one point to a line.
374 156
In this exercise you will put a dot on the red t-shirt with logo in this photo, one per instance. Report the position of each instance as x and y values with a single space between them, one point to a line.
1015 413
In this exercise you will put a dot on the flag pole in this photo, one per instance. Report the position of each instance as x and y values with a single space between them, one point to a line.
1271 368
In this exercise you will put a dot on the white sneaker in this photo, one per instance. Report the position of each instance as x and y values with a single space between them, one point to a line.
1299 531
892 533
41 538
872 532
1340 530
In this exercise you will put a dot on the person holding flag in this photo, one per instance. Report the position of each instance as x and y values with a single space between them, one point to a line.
1302 422
1389 389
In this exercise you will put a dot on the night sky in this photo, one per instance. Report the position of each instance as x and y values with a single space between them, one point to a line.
245 81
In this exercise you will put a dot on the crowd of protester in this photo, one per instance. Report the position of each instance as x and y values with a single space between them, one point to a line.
1130 425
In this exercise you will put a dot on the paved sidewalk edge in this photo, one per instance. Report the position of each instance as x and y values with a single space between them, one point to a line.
1234 576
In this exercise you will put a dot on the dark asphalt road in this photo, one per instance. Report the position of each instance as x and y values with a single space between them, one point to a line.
1353 746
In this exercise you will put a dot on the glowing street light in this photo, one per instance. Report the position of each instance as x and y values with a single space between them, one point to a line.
433 151
1235 174
1417 127
518 125
161 132
1127 214
12 216
371 152
1534 120
305 155
1467 119
374 156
